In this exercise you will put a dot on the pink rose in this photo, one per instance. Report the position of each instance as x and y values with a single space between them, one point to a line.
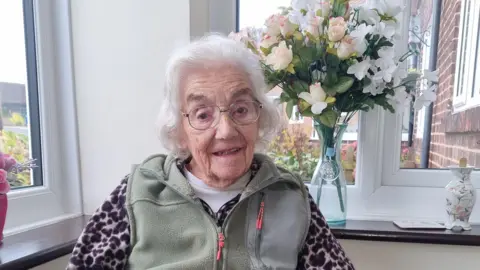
4 185
280 57
9 162
286 27
268 41
273 26
346 47
336 29
315 25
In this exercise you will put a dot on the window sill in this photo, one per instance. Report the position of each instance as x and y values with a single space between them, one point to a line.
38 246
387 232
29 249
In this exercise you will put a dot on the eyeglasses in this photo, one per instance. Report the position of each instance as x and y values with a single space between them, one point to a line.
241 112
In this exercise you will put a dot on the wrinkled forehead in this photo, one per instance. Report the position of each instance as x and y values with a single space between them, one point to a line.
219 85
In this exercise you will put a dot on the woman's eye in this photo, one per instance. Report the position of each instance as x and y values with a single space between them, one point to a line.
204 114
241 110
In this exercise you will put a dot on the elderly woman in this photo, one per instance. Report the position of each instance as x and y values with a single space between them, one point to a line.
213 203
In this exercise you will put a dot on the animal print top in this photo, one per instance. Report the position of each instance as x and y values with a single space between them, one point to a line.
105 241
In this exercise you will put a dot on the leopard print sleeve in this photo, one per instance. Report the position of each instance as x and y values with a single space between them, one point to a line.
105 241
322 251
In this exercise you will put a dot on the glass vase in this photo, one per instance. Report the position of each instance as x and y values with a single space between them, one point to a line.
328 185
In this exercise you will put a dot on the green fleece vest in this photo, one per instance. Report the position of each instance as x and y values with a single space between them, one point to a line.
171 230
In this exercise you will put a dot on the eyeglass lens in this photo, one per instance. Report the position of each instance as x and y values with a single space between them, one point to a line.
241 113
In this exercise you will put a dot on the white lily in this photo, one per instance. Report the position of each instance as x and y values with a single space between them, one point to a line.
426 97
387 55
361 46
388 30
431 76
389 8
297 17
361 31
317 98
368 15
302 4
398 76
401 95
385 74
360 69
375 87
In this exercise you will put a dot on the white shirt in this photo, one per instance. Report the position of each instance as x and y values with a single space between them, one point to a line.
215 197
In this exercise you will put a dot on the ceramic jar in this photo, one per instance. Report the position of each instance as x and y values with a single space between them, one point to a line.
460 199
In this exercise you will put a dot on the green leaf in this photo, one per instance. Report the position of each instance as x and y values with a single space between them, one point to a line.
300 86
328 118
284 97
332 61
370 102
331 78
412 76
366 82
289 108
344 83
382 100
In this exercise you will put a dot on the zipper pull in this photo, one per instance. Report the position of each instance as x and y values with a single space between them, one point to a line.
221 243
260 216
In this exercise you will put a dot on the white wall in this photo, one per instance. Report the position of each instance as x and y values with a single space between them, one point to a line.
402 256
120 48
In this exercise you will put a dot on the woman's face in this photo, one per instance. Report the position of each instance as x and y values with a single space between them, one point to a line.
223 153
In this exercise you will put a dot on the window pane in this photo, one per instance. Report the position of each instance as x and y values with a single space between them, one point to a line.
451 134
18 90
253 13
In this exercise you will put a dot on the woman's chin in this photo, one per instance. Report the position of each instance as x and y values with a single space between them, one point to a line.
229 174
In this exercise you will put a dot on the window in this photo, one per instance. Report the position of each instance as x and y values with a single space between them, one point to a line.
20 121
466 93
296 117
38 111
401 158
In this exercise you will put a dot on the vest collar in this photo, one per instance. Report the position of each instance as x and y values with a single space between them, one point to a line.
264 172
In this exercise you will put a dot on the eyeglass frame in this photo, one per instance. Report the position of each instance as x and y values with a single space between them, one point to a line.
260 106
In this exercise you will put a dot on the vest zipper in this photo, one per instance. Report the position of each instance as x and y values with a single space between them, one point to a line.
260 215
258 233
221 244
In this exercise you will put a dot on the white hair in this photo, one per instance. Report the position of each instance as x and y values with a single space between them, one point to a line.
208 50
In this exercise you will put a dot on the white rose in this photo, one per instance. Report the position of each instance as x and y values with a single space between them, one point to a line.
280 57
268 41
273 26
286 26
346 47
315 26
241 36
336 29
317 92
324 7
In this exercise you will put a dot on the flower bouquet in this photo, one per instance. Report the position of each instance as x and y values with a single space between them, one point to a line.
9 168
332 59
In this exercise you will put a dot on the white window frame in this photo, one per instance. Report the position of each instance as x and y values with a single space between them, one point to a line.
383 190
465 51
60 196
293 118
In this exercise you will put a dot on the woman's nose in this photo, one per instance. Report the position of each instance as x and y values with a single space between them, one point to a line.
226 129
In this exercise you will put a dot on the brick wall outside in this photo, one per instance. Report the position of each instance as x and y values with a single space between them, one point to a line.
457 135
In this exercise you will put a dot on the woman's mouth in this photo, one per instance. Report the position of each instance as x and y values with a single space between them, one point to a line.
227 152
